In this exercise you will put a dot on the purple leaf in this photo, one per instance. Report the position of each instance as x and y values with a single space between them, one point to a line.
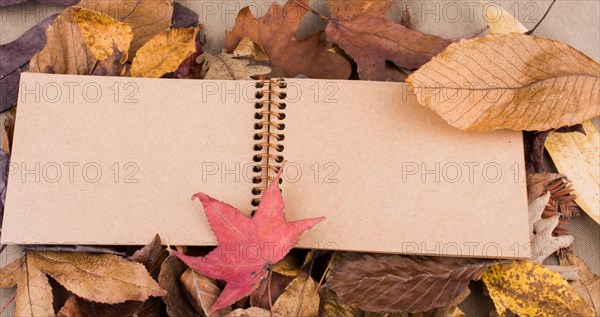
183 17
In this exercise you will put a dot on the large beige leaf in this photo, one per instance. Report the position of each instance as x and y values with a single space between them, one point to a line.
34 293
578 156
530 289
164 52
499 20
300 298
511 81
103 34
103 278
65 52
225 66
146 17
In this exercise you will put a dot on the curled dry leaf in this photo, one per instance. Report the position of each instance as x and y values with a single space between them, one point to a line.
260 296
300 298
578 156
247 48
543 242
252 312
588 285
225 66
499 20
164 53
203 291
103 34
14 58
510 81
276 33
398 283
534 142
175 299
146 17
362 31
102 278
530 289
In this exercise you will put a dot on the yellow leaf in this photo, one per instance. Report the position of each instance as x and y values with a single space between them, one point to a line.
34 293
300 298
103 34
509 81
164 52
103 278
530 289
146 17
578 156
499 20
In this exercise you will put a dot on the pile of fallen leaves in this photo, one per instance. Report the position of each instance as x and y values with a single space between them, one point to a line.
505 80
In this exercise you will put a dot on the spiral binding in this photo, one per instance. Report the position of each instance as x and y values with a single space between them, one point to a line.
269 133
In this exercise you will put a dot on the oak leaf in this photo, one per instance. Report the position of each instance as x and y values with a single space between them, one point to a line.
543 242
530 289
276 33
146 17
260 242
103 34
398 283
14 58
510 81
578 156
226 66
102 278
362 31
164 53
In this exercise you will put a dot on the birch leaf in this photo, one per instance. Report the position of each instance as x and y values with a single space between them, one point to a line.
499 20
103 278
578 156
164 53
510 81
103 34
530 289
225 66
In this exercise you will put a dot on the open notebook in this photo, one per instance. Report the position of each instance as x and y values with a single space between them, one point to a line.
105 160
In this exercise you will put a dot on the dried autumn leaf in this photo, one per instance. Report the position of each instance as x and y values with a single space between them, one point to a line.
247 48
146 17
331 305
260 296
499 20
252 312
530 289
534 141
543 242
537 183
362 31
510 81
398 283
34 293
103 278
265 238
203 291
276 33
300 298
225 66
103 34
164 52
588 285
14 58
76 307
578 156
183 17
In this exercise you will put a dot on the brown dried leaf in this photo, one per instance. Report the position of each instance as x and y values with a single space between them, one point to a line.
537 183
276 33
362 31
103 278
398 283
164 53
146 17
103 34
203 291
260 296
530 289
543 242
247 48
510 81
75 307
34 293
331 305
225 66
10 275
252 312
534 142
175 299
300 298
588 285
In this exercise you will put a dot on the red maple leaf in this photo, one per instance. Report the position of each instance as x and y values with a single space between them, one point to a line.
248 246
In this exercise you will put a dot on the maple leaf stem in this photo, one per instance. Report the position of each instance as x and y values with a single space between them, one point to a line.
542 19
313 11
